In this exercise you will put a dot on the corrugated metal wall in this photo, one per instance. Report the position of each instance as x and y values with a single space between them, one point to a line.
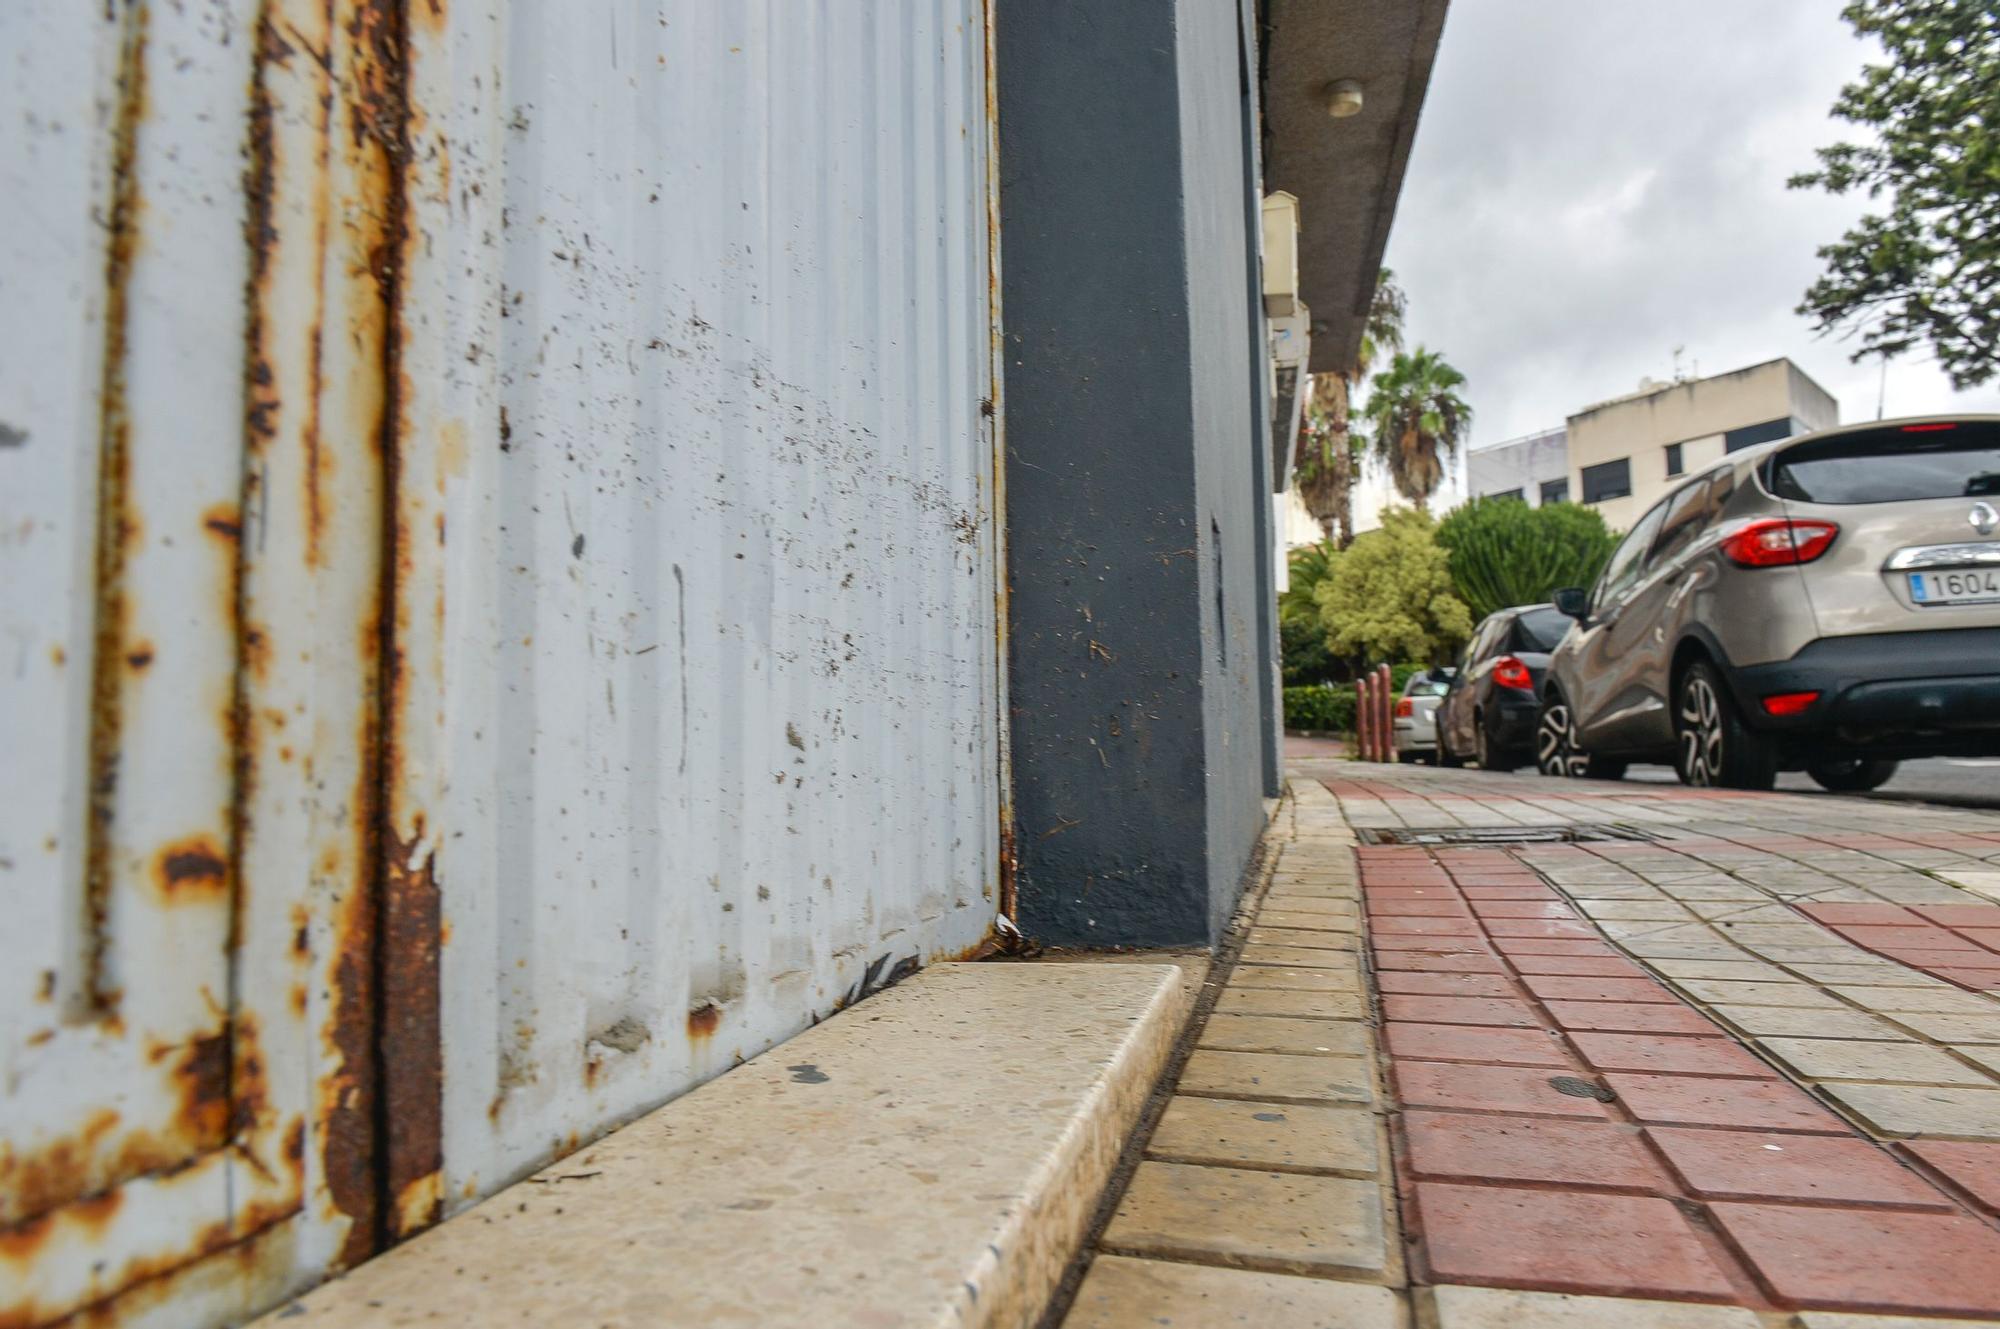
697 725
497 590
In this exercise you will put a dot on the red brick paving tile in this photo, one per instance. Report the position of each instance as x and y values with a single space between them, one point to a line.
1379 909
1702 1101
1904 939
1394 926
1610 1245
1571 987
1441 945
1548 928
1492 1088
1630 1017
1510 893
1451 1042
1447 1145
1972 957
1933 1263
1975 1167
1510 1011
1979 980
1592 966
1444 985
1961 915
1410 892
1987 937
1467 962
1554 946
1654 1052
1762 1165
1523 909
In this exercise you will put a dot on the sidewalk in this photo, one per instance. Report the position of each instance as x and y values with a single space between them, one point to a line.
1697 1059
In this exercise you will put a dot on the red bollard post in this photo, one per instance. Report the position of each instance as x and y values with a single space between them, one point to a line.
1364 715
1385 706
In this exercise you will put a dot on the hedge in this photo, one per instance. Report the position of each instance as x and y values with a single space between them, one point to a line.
1320 707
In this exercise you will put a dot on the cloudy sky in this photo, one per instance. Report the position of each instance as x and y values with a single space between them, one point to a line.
1596 183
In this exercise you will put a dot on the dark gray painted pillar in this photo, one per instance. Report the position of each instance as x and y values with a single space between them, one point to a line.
1131 468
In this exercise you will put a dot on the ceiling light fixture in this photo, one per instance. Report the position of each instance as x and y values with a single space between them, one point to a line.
1343 98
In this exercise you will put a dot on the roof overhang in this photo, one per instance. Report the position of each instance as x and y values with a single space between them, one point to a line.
1346 173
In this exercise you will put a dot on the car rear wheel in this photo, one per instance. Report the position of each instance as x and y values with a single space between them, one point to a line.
1852 775
1712 745
1555 741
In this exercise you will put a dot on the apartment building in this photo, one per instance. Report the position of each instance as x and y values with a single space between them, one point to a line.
1625 453
1533 468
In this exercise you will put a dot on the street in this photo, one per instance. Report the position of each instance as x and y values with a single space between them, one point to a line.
1951 781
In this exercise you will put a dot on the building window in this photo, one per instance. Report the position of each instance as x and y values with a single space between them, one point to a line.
1675 466
1749 436
1555 491
1514 494
1607 480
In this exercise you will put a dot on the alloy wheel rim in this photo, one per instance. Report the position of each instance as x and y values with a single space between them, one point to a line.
1701 732
1556 744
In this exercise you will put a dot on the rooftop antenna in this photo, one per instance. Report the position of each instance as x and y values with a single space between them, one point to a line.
1882 390
1679 375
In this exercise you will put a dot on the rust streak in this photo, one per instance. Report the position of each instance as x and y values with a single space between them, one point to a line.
189 868
116 522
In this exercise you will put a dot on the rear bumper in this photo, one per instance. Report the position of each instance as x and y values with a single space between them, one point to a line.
1416 735
1511 718
1898 692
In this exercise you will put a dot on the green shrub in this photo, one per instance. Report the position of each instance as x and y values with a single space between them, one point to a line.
1505 553
1302 649
1323 707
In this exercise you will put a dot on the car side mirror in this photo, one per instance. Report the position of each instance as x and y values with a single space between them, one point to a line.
1573 601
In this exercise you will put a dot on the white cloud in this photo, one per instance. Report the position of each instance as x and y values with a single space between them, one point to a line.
1594 185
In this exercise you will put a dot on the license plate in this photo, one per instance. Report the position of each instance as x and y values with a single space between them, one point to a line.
1967 586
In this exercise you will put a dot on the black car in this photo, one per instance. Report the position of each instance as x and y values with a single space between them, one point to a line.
1489 714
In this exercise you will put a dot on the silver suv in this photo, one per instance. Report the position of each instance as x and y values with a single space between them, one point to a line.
1829 602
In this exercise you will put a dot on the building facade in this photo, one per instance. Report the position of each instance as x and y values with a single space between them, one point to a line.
1624 454
1534 469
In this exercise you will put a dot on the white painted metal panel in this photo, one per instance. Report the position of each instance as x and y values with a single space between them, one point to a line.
696 715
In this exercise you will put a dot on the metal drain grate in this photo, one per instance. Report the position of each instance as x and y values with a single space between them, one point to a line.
1499 835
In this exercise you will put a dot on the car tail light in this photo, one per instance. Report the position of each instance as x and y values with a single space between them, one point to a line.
1776 541
1405 708
1788 703
1511 673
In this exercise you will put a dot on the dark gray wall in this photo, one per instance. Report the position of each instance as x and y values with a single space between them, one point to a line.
1132 468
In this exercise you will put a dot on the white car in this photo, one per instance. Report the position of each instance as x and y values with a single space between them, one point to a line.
1416 716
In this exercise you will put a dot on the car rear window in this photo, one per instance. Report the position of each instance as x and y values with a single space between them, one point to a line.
1425 686
1959 460
1540 630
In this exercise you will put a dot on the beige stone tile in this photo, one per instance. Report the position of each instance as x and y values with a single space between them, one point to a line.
1955 1028
1636 911
1280 1136
969 1109
1284 978
1288 1034
1310 939
1504 1308
1297 918
1297 957
1302 1005
1786 993
1273 1076
1797 1022
1901 1109
1121 1292
1842 1059
1882 974
1983 1055
1938 1000
1276 1220
1743 971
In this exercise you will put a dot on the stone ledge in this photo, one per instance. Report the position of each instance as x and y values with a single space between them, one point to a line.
929 1157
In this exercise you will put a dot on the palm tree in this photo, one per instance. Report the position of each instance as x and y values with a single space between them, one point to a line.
1419 421
1329 451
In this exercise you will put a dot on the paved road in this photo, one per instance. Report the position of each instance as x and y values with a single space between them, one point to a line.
1965 783
1954 782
